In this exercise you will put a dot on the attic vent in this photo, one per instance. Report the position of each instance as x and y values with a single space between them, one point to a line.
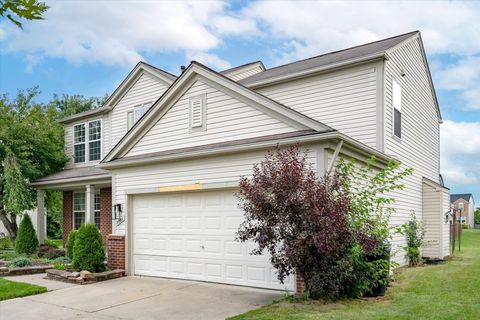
197 112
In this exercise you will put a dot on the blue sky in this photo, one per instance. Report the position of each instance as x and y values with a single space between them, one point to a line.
86 47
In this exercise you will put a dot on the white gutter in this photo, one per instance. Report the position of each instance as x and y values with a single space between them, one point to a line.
246 147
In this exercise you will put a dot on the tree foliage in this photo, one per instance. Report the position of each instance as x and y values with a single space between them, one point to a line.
15 10
71 243
88 251
27 242
414 232
68 105
314 227
476 216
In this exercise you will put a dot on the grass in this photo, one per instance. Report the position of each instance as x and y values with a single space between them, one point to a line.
10 289
446 291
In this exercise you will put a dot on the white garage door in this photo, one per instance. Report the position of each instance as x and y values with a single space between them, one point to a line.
192 236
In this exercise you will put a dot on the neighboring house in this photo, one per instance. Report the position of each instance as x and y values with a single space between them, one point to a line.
465 208
166 153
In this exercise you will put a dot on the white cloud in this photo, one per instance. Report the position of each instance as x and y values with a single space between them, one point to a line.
460 146
118 33
210 60
32 61
322 26
462 76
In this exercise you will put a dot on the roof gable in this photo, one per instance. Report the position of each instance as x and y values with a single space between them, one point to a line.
243 71
137 72
464 196
197 72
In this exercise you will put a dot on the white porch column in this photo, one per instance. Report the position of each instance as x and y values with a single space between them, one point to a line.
41 216
90 204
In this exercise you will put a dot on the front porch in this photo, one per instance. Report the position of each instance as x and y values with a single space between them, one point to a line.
87 198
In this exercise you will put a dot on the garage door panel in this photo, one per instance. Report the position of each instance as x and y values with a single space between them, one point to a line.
192 236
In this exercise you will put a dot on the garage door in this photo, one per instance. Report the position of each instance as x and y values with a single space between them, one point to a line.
192 236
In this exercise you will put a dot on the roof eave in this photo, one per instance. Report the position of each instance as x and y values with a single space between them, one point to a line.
71 180
350 62
249 147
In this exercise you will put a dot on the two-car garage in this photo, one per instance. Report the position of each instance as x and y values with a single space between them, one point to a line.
191 235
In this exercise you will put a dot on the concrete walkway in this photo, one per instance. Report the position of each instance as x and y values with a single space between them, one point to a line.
136 298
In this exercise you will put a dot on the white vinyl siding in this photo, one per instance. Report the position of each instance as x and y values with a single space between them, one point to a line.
446 224
419 147
226 119
345 100
145 90
221 169
433 218
242 73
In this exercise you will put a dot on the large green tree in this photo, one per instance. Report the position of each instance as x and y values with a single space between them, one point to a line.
68 105
17 10
31 146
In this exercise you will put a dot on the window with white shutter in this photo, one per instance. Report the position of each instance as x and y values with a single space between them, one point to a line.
197 113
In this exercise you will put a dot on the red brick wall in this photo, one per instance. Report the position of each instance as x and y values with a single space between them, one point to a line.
105 212
299 285
67 214
116 252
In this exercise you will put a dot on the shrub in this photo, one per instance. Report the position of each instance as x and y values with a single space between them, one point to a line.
6 243
20 262
65 260
465 226
71 243
476 216
47 252
59 266
318 228
52 243
26 242
88 251
414 232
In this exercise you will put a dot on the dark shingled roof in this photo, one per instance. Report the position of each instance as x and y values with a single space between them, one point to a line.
464 196
368 49
74 173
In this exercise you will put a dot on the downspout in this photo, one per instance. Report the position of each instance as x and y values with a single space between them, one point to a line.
335 156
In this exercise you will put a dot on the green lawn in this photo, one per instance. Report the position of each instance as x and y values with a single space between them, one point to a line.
447 291
11 289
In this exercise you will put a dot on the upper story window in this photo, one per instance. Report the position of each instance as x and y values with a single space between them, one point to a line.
397 109
197 113
137 113
461 206
87 146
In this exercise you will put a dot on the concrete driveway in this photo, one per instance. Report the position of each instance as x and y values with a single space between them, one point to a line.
135 298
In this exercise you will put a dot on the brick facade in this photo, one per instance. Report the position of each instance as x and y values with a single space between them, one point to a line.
299 285
67 215
105 212
116 251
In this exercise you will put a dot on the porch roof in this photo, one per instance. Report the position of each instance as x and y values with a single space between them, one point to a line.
75 175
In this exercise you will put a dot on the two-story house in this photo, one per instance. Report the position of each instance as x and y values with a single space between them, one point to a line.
464 205
157 166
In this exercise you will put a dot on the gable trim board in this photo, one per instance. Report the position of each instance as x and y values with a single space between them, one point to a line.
197 71
140 69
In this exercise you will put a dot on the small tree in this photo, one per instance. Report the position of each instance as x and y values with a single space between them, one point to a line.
476 216
71 244
414 231
88 251
27 242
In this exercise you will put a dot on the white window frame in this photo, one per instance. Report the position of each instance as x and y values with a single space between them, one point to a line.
132 112
461 206
87 140
99 210
78 211
396 105
202 99
84 142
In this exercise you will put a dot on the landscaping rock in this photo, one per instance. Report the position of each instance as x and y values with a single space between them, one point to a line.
83 277
87 275
25 270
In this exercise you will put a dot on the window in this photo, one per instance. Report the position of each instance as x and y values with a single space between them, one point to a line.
87 146
137 113
97 209
94 140
79 143
461 206
397 109
197 112
78 209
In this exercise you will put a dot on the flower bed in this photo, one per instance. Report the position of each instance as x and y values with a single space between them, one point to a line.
83 277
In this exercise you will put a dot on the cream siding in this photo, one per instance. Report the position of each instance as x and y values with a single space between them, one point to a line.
227 118
446 224
345 100
242 73
433 218
221 169
146 89
419 147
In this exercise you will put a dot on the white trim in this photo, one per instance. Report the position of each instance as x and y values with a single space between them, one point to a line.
87 141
